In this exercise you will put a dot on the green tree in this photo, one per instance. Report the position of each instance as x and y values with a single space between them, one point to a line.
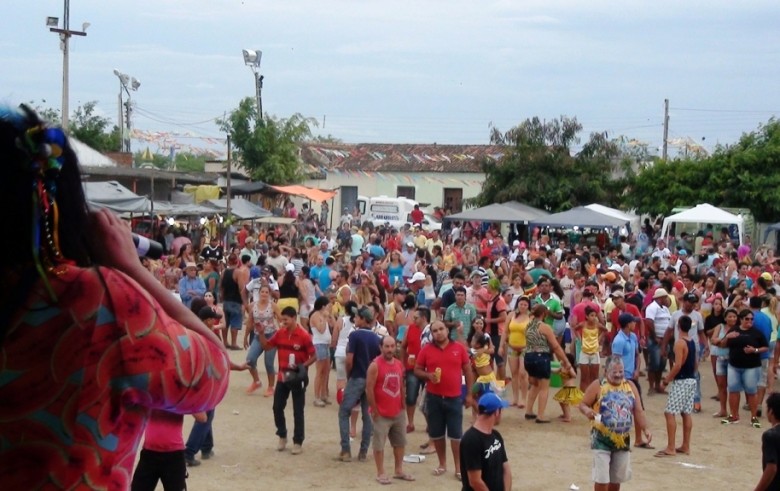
86 126
540 168
743 175
267 148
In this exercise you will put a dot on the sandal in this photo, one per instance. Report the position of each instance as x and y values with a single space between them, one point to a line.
383 480
404 477
663 453
530 416
645 445
439 471
681 451
428 450
458 476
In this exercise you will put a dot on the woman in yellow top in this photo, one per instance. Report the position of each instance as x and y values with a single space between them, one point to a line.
589 333
512 348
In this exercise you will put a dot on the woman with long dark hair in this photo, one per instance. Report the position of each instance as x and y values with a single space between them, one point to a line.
85 330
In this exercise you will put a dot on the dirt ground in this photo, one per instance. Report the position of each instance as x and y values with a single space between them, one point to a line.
543 457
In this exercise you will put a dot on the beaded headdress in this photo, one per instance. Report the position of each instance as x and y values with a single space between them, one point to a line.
43 147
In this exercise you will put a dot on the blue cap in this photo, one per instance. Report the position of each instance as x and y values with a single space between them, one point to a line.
682 252
490 403
625 319
254 272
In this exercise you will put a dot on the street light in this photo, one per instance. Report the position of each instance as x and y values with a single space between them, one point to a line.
126 83
65 35
252 60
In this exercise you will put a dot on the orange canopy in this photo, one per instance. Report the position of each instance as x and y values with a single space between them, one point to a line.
313 194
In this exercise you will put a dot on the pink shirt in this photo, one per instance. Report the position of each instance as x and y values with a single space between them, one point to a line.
163 432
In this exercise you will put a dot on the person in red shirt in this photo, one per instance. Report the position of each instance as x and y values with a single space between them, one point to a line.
622 307
296 353
442 364
162 457
410 348
417 215
385 391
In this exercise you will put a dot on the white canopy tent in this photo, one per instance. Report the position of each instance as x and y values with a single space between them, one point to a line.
633 220
705 214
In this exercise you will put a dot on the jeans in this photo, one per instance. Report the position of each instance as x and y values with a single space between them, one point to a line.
167 467
254 352
654 361
445 417
697 396
354 392
234 316
281 394
413 386
201 437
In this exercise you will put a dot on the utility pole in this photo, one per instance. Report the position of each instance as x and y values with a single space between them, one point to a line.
665 154
65 35
227 179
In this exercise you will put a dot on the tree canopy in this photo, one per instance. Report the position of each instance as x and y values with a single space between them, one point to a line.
87 126
540 168
267 148
743 175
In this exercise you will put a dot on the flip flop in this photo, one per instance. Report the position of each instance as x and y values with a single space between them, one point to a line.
404 477
680 450
458 476
530 416
439 471
645 445
428 450
663 453
383 480
542 421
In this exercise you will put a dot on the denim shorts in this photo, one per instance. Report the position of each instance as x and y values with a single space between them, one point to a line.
722 366
255 350
233 315
445 417
538 364
743 379
413 387
654 363
322 351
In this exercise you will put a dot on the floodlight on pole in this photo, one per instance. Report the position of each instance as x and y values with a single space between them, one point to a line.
65 34
126 83
252 59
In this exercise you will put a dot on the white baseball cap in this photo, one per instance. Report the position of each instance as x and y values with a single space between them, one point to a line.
516 243
418 276
290 267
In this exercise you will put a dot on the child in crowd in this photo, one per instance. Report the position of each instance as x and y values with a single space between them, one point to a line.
482 350
569 395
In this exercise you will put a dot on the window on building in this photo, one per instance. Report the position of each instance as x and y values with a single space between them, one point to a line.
406 192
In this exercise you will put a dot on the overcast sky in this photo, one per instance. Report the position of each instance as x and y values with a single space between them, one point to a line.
411 71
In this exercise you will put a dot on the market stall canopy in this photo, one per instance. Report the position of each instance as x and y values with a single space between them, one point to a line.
498 213
314 194
241 208
274 220
528 210
182 209
114 196
253 187
704 214
580 217
613 212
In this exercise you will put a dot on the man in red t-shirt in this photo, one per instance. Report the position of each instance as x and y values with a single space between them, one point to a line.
385 391
442 364
621 307
417 215
294 344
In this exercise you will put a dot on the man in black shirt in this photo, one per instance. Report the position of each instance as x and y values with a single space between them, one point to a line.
213 250
483 459
770 446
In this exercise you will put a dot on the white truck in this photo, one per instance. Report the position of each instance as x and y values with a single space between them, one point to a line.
396 212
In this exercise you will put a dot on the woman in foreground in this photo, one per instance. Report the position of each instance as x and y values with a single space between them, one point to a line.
90 341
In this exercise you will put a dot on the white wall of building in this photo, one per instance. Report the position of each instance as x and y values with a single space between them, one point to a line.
429 186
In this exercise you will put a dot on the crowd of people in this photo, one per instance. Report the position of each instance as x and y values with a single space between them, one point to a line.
544 309
408 319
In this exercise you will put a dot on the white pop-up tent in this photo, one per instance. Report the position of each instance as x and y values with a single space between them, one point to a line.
633 220
704 214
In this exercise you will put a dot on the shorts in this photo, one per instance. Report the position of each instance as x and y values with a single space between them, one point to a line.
654 363
514 353
322 351
234 315
538 364
681 395
445 417
254 352
589 359
722 366
341 367
764 372
611 467
413 387
743 379
393 429
496 340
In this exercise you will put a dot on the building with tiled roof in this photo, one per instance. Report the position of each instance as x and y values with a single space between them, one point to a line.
439 175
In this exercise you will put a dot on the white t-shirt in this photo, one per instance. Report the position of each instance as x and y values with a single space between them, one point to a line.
632 266
664 254
696 327
661 318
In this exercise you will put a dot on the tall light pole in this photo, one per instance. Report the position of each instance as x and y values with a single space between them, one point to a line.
126 83
252 59
65 35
